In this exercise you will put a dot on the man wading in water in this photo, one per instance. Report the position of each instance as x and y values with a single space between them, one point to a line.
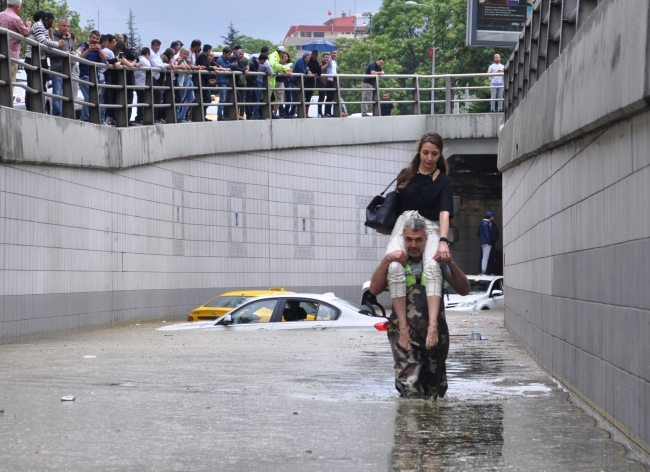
419 372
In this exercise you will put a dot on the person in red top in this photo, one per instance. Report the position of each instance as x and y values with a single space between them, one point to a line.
11 20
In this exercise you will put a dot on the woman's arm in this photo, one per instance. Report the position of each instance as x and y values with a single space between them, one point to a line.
443 247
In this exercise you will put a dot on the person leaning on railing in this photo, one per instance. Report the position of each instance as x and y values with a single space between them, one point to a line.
90 51
11 20
40 33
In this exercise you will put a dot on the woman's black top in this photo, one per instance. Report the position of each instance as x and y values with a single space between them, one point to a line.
429 197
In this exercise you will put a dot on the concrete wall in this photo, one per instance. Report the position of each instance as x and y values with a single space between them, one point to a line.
122 228
576 167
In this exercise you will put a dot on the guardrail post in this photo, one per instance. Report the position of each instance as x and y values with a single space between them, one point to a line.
94 115
338 106
448 95
6 89
149 111
67 91
122 114
301 94
198 115
417 106
376 108
36 103
265 104
170 98
231 97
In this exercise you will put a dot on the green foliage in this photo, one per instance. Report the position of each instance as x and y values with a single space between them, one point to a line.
134 38
404 35
61 10
254 45
232 37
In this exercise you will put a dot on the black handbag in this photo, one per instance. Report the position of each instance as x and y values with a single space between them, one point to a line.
382 212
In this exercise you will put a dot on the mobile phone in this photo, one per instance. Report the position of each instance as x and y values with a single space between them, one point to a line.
120 55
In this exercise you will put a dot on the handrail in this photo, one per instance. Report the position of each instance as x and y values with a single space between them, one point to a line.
165 96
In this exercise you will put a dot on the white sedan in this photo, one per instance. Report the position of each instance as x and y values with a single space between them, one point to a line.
295 311
485 293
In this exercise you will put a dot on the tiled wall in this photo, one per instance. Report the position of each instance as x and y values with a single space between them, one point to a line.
577 267
82 247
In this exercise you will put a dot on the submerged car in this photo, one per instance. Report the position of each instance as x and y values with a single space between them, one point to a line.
291 311
219 306
485 293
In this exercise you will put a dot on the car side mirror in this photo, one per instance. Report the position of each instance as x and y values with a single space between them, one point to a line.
227 319
497 293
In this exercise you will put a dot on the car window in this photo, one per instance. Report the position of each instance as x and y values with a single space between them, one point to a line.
227 302
327 313
478 286
498 285
256 312
352 306
308 310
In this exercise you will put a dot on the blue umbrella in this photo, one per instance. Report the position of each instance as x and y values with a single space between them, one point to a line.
319 45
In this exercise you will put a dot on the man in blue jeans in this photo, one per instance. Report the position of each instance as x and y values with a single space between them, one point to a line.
56 62
91 51
224 62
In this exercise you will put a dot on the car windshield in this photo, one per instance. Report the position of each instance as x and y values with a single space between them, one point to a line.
227 302
478 286
352 306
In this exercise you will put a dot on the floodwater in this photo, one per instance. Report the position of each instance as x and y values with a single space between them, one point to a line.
284 401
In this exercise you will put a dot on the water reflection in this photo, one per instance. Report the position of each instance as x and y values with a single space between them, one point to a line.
434 436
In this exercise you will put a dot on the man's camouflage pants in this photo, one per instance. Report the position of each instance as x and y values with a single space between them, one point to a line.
420 373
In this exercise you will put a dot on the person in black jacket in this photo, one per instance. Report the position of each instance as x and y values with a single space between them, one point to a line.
315 68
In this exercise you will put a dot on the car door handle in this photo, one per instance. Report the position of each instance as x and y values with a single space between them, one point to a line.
319 327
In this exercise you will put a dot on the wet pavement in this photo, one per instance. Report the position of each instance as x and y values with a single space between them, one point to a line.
284 401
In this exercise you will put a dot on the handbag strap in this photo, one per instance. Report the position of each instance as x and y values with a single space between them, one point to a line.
382 193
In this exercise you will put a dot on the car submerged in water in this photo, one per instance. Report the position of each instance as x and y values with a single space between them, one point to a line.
485 293
287 310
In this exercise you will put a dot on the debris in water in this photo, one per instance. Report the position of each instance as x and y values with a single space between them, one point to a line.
67 398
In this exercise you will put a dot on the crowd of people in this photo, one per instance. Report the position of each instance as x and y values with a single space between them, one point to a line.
180 64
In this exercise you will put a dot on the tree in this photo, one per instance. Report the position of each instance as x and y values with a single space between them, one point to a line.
134 38
60 10
404 35
232 37
254 45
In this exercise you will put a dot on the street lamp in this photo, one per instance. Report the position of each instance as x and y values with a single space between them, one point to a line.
367 14
433 50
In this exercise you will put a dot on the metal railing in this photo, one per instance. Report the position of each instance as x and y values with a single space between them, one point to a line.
548 31
344 90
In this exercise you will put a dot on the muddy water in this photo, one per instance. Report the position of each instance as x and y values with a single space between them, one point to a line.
152 400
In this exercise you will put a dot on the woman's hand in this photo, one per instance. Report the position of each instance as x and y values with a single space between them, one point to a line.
432 336
442 254
405 338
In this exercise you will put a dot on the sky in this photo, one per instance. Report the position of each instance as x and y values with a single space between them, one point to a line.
169 20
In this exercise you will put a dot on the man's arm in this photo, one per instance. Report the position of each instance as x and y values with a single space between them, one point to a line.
379 279
456 278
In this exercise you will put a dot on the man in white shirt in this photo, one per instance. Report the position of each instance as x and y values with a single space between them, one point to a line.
496 81
332 68
158 78
140 80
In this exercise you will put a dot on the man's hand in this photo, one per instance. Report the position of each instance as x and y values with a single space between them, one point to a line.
443 254
61 43
398 256
28 24
405 338
432 336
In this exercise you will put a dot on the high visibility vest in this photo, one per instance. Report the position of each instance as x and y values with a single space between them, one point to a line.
412 279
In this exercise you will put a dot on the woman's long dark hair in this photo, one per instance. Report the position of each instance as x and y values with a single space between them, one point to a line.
406 175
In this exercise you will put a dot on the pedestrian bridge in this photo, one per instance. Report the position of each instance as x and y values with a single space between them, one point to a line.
102 225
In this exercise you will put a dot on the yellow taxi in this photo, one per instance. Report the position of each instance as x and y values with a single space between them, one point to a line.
225 302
